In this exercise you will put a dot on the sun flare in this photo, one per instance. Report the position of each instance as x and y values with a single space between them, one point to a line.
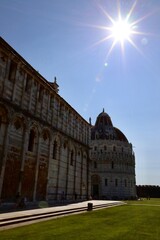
121 31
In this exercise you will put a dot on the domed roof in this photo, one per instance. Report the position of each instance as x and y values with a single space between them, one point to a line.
103 119
120 135
104 129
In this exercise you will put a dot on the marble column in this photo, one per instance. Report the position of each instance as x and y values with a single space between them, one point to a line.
4 157
23 154
37 169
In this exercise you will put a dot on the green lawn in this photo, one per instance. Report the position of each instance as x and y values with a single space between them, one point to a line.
136 220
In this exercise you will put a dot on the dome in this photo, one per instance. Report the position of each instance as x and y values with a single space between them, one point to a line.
120 135
103 119
104 129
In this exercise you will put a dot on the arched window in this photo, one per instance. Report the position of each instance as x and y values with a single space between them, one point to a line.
12 71
54 154
41 92
17 124
45 136
114 148
28 84
71 160
31 140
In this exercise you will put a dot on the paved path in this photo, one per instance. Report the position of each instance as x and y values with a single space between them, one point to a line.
19 218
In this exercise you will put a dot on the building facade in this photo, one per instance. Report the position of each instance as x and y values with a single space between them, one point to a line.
47 150
112 161
44 142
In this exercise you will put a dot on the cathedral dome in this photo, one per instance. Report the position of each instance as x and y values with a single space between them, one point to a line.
104 129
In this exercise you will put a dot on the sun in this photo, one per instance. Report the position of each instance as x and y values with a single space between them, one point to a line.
121 31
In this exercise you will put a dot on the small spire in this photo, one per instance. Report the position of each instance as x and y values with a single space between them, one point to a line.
55 85
103 109
90 121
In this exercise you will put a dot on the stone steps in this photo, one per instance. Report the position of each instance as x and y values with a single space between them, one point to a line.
28 217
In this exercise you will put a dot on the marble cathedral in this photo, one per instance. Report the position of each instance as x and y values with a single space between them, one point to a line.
48 150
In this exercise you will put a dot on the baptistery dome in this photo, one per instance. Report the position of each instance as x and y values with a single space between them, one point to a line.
104 129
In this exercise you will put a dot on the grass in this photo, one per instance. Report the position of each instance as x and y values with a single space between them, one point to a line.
136 220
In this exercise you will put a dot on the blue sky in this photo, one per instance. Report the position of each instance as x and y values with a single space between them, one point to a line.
60 38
